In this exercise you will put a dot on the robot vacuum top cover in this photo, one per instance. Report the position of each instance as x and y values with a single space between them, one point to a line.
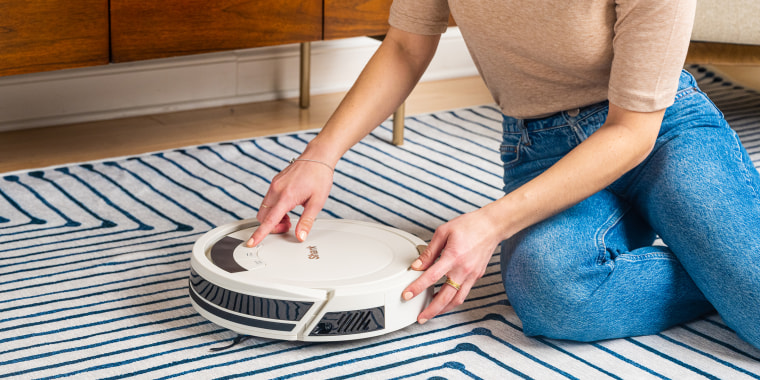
344 282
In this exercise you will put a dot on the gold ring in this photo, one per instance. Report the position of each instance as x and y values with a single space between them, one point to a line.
451 283
264 206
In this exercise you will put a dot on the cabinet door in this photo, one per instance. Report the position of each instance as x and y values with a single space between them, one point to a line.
41 35
354 18
151 29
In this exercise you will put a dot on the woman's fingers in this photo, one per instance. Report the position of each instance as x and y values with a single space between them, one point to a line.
309 215
451 294
448 296
283 226
459 297
441 300
293 186
432 273
430 253
271 221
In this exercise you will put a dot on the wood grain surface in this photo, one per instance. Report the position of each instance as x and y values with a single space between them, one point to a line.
155 29
42 35
352 18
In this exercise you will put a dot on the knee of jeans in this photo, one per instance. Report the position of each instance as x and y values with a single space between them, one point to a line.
555 315
547 298
535 268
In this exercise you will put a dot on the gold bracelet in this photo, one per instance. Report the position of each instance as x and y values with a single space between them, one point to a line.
292 160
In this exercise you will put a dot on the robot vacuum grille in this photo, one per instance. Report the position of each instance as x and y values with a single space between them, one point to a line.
351 322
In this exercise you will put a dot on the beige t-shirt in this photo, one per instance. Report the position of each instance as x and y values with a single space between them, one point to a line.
540 57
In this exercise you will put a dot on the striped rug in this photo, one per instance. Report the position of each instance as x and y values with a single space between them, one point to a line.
94 265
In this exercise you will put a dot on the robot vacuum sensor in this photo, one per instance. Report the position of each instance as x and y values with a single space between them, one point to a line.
344 282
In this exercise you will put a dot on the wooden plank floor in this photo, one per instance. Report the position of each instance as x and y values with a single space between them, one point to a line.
56 145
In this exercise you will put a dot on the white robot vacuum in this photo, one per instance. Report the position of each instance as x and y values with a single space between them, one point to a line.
344 282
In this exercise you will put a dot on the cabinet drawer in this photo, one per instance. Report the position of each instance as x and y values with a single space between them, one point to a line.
153 29
354 18
42 35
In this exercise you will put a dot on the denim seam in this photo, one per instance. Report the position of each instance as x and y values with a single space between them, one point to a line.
647 256
601 235
715 107
684 92
743 165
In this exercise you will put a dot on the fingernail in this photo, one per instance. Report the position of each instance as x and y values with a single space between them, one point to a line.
250 242
302 235
408 295
417 264
422 321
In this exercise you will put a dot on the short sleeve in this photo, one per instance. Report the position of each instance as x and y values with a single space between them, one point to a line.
649 47
428 17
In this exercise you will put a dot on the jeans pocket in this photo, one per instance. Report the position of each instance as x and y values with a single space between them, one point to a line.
510 149
509 154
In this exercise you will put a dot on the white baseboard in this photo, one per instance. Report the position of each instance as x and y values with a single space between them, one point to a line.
201 81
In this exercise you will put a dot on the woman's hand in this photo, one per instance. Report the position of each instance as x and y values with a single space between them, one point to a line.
463 248
304 183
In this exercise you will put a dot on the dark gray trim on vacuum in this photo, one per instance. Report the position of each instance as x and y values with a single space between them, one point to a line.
222 254
247 304
268 325
350 322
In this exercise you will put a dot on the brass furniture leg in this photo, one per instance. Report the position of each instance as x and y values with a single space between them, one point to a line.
398 125
305 87
304 102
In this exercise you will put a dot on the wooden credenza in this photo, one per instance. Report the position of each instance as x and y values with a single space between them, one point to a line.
44 35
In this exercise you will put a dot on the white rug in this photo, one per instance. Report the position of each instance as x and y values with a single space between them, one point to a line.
94 265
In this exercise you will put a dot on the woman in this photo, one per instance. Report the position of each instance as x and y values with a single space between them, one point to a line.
607 143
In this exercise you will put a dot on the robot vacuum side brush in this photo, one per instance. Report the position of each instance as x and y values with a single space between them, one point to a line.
344 282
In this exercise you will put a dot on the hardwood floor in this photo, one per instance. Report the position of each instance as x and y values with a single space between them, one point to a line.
56 145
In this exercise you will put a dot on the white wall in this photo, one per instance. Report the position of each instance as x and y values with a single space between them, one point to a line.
209 80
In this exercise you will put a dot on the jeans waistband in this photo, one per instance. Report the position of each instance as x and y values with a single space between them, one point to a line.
514 125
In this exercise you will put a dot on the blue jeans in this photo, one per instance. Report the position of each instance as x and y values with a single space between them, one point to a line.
596 270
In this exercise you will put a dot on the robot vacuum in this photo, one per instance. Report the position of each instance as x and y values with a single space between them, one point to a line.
344 282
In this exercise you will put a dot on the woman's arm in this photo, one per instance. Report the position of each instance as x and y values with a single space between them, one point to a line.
383 85
623 142
464 246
